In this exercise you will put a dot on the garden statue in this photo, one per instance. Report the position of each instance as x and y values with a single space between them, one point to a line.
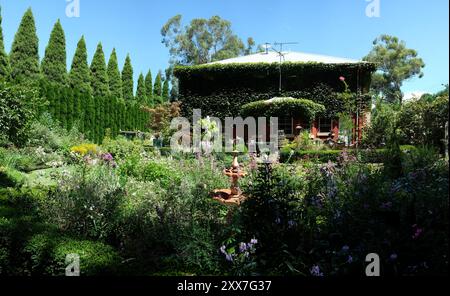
233 195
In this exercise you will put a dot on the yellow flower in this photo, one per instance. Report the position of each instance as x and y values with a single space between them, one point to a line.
84 149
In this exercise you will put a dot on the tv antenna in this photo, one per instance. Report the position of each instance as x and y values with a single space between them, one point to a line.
282 57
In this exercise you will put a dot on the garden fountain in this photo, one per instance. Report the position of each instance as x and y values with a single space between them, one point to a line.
233 195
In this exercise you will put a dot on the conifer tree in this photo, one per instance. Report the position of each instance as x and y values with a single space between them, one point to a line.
127 80
114 79
149 86
79 76
4 62
165 91
24 55
99 78
141 90
157 89
54 66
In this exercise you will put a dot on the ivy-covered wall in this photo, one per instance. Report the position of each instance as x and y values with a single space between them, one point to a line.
221 89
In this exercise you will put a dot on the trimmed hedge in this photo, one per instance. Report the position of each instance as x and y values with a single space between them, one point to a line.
364 155
303 108
94 115
47 255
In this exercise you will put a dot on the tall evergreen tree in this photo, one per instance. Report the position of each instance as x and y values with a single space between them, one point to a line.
149 86
4 62
157 89
114 79
99 78
127 80
165 91
141 90
24 55
80 76
54 64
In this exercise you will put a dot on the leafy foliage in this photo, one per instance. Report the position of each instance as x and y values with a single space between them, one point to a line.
221 90
54 64
396 63
99 77
127 80
80 75
19 106
114 78
302 108
202 41
4 60
24 55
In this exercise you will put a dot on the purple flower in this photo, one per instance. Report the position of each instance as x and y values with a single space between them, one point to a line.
254 241
242 247
291 223
229 257
345 248
386 205
222 250
349 259
417 233
278 220
107 157
315 271
393 257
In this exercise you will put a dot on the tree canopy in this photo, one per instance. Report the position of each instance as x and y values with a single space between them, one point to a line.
4 62
79 76
99 77
24 55
127 79
396 63
114 79
54 64
202 41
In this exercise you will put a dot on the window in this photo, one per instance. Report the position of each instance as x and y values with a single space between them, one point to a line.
325 125
285 124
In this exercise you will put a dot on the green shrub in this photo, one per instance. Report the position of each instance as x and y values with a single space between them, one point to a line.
10 177
19 106
96 258
161 172
48 134
85 201
305 109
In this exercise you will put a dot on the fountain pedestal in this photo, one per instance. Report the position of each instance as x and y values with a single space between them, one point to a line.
233 195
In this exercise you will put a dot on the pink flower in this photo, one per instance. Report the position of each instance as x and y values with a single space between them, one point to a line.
418 231
342 78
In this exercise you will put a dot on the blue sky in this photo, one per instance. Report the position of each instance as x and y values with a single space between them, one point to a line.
338 28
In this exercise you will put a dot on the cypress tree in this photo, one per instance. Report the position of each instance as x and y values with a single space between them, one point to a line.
79 76
165 91
114 79
54 66
24 56
127 80
99 78
149 86
157 89
141 90
4 62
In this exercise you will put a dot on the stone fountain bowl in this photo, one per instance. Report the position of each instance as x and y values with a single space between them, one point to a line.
225 197
234 173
